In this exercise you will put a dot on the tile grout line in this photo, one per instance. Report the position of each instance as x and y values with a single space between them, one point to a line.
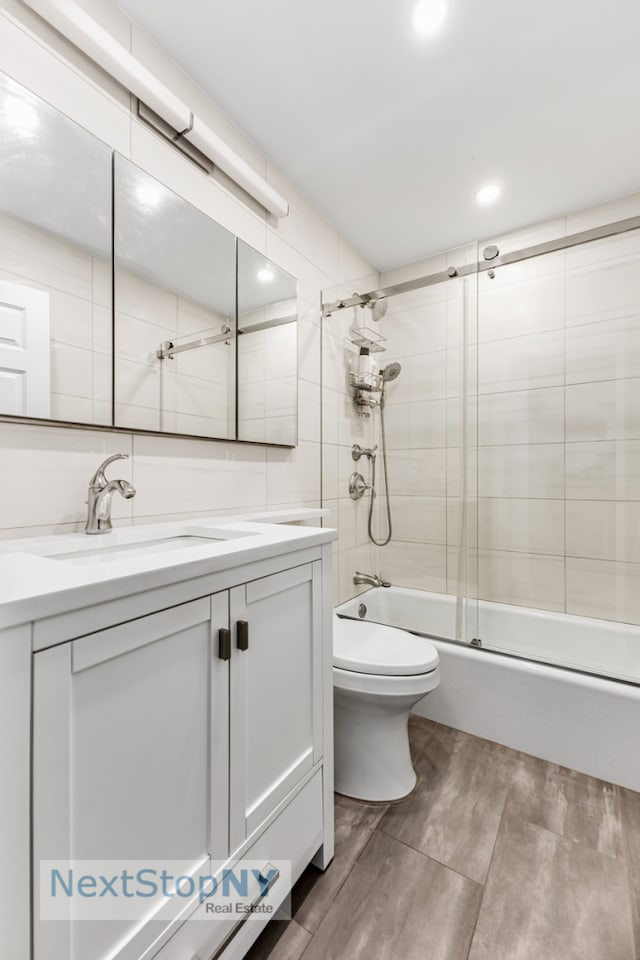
338 890
328 910
427 856
486 879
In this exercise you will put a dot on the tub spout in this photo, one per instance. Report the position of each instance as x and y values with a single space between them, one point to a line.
372 579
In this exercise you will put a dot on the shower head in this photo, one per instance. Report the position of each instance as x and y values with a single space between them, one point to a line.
390 372
378 308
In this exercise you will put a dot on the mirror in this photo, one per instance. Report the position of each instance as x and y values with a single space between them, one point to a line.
202 337
175 308
55 264
267 350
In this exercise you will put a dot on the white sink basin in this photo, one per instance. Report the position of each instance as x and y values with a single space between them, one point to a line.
106 553
130 544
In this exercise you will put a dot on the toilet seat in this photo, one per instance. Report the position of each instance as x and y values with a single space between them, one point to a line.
362 647
380 686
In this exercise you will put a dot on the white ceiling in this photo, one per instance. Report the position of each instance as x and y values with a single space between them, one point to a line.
389 135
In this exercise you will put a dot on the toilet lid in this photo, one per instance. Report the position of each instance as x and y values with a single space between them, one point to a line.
365 647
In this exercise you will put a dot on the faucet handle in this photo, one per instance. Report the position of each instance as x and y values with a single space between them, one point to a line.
99 479
357 451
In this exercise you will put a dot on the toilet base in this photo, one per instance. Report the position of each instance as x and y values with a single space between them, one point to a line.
372 756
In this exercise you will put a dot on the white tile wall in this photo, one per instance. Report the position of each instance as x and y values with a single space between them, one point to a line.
268 387
605 410
534 471
46 484
522 363
604 529
524 526
186 476
419 565
525 416
607 350
599 588
509 309
522 578
603 470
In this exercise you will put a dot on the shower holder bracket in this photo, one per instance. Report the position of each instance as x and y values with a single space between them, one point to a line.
372 382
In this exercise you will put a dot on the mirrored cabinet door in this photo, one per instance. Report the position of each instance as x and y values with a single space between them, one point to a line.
55 264
267 350
175 311
202 337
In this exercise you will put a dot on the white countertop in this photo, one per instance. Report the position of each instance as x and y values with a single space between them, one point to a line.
36 581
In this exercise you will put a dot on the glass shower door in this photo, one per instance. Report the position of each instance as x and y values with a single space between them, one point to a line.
462 507
558 465
429 417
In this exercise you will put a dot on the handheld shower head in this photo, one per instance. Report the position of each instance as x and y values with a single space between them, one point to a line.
390 372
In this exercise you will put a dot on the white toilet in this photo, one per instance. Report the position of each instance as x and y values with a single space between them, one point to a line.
379 674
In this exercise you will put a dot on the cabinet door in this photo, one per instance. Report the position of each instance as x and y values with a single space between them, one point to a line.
129 725
276 688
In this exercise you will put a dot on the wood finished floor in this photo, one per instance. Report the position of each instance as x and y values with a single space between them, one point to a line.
495 856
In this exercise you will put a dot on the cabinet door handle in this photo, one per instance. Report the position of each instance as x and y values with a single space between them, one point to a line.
243 635
224 644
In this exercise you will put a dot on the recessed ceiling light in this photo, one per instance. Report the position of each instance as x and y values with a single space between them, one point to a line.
488 194
265 275
428 16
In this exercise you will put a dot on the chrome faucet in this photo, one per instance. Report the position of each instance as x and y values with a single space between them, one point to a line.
101 493
372 579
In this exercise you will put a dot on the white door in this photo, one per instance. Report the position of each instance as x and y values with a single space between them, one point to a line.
130 724
276 692
24 351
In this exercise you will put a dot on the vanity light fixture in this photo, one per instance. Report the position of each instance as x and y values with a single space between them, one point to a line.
428 16
488 194
73 22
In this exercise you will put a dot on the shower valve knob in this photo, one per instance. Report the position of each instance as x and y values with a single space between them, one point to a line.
357 486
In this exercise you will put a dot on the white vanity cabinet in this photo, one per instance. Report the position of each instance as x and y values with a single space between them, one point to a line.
130 757
191 734
276 693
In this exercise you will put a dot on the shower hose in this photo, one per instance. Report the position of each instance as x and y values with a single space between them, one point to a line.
385 541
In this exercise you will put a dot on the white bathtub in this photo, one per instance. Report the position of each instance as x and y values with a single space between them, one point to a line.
587 722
